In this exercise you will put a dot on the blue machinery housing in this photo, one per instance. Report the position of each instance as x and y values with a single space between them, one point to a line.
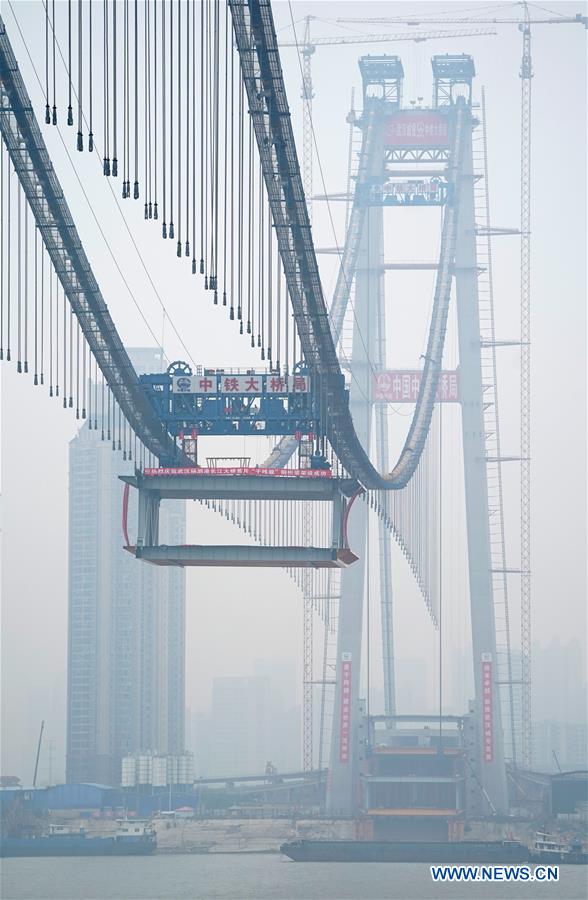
226 401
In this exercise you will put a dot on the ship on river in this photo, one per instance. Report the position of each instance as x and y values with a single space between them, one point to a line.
545 849
132 838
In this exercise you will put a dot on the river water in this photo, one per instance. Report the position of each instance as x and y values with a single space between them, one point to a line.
255 877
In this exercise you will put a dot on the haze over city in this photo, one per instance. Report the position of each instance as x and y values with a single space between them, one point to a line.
241 642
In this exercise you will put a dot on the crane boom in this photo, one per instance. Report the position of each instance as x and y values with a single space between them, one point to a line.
382 38
559 20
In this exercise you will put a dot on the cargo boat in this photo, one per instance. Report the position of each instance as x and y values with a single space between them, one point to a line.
407 851
131 839
551 848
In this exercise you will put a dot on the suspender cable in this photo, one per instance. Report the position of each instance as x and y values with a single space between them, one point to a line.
2 248
155 209
42 348
47 109
65 352
54 111
214 160
240 190
202 43
80 82
8 255
136 183
26 286
171 119
232 213
179 244
56 336
50 331
125 183
84 379
114 104
252 239
64 340
269 284
69 108
18 281
105 79
95 391
149 184
89 386
77 368
261 266
72 319
193 142
249 226
279 309
163 121
145 105
106 160
90 79
225 172
187 247
206 135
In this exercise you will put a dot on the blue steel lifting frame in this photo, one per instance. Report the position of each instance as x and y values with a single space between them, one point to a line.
218 402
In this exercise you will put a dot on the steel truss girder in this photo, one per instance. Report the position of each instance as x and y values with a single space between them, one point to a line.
256 41
31 161
421 155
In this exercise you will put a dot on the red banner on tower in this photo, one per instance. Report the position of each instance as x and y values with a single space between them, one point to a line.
403 386
487 723
345 731
417 129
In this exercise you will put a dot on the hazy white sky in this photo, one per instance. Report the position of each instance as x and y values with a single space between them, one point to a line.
237 617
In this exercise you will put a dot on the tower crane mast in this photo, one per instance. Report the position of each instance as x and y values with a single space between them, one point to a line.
526 75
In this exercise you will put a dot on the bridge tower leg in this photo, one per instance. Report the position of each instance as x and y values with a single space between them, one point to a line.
491 768
385 552
346 739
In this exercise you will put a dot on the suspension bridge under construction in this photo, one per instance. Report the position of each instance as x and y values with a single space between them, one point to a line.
187 108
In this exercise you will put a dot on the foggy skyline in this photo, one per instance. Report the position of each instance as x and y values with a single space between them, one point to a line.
236 617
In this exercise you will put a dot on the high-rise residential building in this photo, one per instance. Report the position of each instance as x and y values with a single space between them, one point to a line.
558 745
240 724
126 619
254 720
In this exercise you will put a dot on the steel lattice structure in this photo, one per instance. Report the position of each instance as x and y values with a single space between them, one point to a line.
526 76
